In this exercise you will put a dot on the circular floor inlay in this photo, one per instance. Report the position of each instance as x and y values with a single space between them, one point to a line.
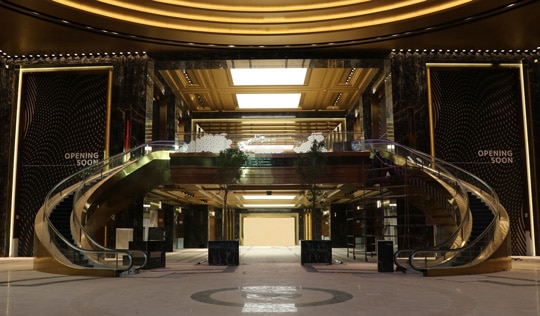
271 298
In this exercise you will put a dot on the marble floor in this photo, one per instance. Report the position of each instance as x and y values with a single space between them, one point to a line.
269 281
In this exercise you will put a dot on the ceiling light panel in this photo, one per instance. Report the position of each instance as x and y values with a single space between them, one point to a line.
268 101
269 197
268 76
269 205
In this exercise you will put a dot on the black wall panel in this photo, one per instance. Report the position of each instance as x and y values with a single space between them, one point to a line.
62 130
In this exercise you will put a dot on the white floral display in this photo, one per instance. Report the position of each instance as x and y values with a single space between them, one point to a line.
306 146
207 143
214 143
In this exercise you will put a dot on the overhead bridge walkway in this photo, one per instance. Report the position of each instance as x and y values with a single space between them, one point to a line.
475 226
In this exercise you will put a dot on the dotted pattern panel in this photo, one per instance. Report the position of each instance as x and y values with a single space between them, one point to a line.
478 126
62 114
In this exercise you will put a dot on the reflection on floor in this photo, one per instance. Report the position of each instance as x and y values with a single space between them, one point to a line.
269 280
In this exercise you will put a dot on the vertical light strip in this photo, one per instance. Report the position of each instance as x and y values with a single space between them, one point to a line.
15 166
527 159
108 117
430 108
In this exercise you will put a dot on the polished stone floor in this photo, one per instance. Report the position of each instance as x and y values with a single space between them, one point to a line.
269 281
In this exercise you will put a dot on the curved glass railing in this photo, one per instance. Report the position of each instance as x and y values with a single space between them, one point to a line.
441 255
454 199
411 160
96 255
438 257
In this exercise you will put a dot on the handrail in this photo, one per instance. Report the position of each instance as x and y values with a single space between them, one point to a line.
456 238
458 180
461 218
487 236
84 177
466 181
423 162
482 189
411 158
54 234
86 184
110 250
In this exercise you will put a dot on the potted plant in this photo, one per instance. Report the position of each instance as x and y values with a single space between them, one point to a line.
311 166
230 162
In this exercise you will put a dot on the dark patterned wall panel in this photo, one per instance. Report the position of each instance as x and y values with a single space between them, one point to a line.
7 91
62 129
411 119
478 126
128 104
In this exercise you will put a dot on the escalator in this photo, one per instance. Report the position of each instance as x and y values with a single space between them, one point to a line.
476 238
479 240
61 219
78 208
482 217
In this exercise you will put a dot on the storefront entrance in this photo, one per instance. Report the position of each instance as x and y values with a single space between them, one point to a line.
269 229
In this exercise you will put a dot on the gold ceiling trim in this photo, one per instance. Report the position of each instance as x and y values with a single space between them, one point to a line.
251 26
221 16
274 6
275 126
278 121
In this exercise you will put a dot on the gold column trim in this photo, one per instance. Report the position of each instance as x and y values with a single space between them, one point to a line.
108 117
430 108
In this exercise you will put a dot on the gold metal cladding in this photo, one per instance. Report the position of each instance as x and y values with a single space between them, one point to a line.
275 125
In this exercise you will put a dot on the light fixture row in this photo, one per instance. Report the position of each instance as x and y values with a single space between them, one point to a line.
74 55
468 51
261 205
402 50
269 197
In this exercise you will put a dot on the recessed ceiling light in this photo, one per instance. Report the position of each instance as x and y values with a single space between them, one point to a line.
268 100
268 205
269 197
268 76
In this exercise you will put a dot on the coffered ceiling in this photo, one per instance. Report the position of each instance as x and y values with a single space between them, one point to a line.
327 95
324 88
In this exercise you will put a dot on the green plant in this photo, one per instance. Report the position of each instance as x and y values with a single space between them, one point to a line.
230 162
311 167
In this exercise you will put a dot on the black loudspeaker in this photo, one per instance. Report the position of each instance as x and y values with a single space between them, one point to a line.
224 252
316 251
385 256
